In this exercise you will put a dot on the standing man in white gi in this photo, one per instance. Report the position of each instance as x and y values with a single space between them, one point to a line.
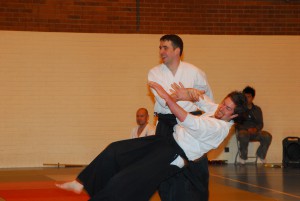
184 186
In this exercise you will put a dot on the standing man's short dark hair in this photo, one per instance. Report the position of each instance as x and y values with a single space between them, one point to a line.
176 41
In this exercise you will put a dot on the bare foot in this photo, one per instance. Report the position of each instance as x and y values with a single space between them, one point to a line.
73 186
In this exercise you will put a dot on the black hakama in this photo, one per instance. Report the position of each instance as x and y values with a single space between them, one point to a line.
131 170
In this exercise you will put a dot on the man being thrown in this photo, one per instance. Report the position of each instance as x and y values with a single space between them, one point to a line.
118 172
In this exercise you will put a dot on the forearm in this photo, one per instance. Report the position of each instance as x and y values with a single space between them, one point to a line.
162 102
179 93
259 124
206 104
258 119
178 111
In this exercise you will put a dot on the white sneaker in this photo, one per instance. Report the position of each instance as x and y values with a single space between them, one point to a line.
241 161
73 186
263 161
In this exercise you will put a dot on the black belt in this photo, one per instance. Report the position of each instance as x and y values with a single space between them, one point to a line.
198 112
194 161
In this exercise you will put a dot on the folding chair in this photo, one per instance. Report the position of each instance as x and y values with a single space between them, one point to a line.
252 156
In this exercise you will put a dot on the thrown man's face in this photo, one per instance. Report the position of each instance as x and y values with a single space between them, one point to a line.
225 109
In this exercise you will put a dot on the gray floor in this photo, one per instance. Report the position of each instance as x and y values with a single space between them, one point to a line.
282 184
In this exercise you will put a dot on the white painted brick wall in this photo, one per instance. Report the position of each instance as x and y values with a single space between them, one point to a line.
65 96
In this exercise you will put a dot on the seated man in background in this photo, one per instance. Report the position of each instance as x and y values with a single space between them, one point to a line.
251 129
143 128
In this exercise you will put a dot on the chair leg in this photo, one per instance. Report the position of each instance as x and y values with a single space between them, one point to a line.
236 156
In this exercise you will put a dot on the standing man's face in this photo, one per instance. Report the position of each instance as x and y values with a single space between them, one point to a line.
167 52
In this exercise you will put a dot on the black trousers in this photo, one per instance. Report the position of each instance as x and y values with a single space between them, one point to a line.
191 184
130 170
